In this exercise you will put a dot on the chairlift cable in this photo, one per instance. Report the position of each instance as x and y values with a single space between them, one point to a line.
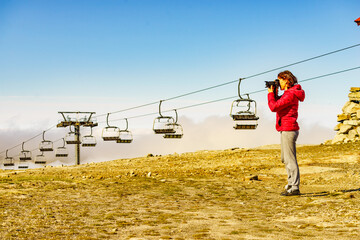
227 98
219 85
227 83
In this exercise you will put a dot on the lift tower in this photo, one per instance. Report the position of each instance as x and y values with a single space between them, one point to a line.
77 119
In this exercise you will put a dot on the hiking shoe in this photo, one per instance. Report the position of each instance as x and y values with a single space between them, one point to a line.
292 193
288 187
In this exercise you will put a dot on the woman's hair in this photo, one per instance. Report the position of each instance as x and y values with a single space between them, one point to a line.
289 77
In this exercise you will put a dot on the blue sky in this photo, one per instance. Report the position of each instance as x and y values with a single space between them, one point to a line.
48 46
108 55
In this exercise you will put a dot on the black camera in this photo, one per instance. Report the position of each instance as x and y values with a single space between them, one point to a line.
275 83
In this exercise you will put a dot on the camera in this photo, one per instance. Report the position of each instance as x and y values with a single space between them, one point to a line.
275 83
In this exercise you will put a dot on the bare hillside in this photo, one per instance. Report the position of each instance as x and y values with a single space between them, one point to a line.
230 194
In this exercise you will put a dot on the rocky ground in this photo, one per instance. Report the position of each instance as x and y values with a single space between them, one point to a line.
230 194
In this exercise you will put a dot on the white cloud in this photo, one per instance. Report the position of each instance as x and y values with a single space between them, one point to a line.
206 127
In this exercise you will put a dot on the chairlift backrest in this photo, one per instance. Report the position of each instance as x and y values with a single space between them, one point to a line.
46 145
62 151
72 138
88 141
8 161
24 155
125 135
244 111
110 133
164 124
40 159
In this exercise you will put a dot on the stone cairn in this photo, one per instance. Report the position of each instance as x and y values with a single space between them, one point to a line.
348 129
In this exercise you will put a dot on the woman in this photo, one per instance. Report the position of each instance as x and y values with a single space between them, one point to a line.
286 108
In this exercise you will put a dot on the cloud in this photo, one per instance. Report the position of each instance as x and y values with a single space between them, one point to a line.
214 133
207 131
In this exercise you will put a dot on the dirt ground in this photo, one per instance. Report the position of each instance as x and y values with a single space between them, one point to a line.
230 194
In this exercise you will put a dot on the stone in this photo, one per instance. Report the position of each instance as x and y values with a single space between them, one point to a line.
346 105
252 177
352 122
345 128
339 138
342 117
358 130
355 89
350 107
352 134
337 127
358 114
354 96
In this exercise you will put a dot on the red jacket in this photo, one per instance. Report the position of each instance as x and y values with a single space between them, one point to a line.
286 108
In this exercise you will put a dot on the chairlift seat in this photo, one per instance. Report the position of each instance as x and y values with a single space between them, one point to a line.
164 131
61 155
73 142
239 116
110 138
25 158
110 133
61 152
177 136
22 167
245 126
124 140
40 162
88 144
46 146
8 164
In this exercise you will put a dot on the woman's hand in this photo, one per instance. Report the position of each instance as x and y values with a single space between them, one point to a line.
271 89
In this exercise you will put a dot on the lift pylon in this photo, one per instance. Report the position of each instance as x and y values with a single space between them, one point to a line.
77 119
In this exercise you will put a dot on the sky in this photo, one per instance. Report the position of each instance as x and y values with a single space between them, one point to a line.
106 56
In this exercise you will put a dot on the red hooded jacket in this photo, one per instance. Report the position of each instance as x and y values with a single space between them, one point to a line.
286 108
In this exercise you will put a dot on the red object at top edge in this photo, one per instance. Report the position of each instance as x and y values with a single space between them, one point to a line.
357 21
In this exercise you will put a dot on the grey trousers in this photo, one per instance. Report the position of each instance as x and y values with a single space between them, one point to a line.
288 157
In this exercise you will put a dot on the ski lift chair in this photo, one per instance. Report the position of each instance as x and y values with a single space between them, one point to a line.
163 124
8 162
62 151
125 135
110 133
25 155
178 130
46 145
243 111
23 164
72 138
89 140
40 159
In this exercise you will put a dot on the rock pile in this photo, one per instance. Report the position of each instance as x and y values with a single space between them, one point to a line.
348 129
